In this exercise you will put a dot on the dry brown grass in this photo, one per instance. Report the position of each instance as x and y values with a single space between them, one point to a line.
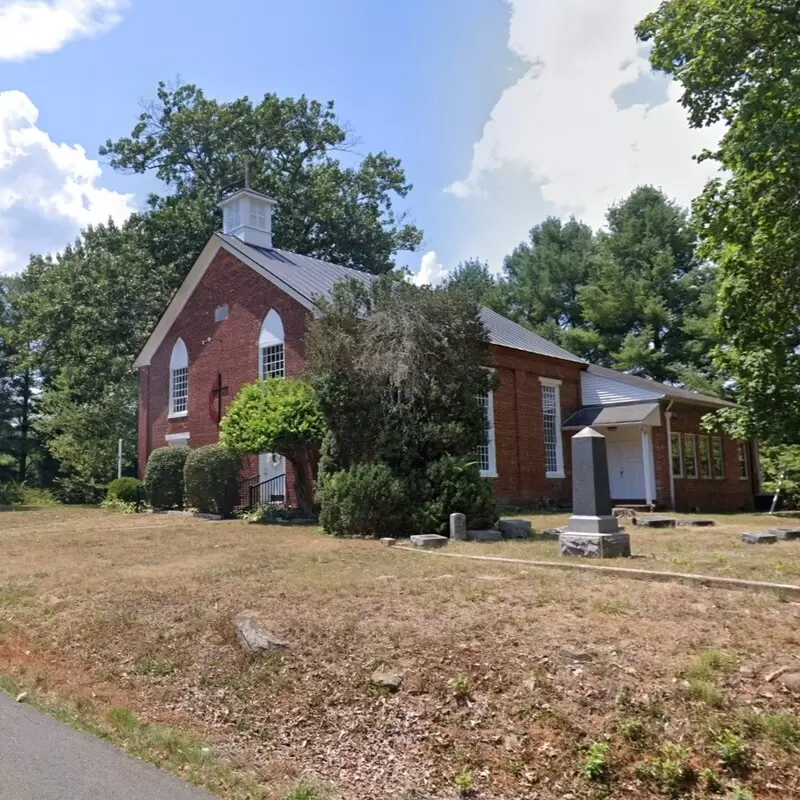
510 672
707 551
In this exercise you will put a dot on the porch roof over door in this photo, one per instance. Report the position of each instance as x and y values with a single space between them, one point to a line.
613 416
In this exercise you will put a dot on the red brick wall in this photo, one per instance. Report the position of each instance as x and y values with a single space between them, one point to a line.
519 431
229 347
730 493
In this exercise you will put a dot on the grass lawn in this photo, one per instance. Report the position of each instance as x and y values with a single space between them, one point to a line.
518 682
707 551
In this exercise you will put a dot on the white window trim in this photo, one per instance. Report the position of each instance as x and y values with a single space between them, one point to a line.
743 450
559 473
691 437
722 457
672 437
700 439
174 365
490 439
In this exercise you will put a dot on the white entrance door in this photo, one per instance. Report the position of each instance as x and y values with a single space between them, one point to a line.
271 465
625 464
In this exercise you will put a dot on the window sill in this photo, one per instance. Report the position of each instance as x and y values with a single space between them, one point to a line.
488 474
554 475
178 414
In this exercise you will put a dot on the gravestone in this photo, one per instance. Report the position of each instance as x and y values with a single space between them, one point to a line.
592 530
458 527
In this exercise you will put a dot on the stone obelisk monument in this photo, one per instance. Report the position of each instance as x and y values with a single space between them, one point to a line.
592 530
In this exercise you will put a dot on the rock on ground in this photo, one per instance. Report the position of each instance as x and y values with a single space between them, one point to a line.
253 635
387 680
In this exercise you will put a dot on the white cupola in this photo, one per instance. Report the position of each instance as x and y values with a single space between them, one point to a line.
247 214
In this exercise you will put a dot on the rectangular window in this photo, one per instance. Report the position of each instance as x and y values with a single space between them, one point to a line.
273 362
689 456
744 470
487 462
717 457
179 391
677 455
220 313
551 418
705 456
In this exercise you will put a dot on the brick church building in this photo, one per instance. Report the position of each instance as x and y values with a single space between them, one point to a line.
241 313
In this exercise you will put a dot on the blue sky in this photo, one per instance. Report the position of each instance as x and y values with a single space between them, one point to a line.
502 111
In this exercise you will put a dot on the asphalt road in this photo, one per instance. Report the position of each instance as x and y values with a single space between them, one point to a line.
42 759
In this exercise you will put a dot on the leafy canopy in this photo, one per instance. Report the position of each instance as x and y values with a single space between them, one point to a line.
294 150
739 64
278 415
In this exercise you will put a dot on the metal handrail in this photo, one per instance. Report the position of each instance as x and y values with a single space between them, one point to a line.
268 492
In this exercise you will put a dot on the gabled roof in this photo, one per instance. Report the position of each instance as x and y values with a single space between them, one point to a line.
504 332
308 279
654 386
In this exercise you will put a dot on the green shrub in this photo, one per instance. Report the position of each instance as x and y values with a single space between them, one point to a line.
211 479
455 485
596 766
365 500
164 480
10 494
129 490
35 496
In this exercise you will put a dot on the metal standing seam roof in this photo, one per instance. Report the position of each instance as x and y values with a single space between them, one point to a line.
654 386
603 416
313 278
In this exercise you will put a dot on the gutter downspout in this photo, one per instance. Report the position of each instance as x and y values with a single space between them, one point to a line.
668 416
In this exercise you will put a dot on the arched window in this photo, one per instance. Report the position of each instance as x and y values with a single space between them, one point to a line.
271 363
179 380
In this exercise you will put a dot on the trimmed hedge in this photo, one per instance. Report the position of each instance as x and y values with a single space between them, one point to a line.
164 480
211 478
455 485
129 490
365 500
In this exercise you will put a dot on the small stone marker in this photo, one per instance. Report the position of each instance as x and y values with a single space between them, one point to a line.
695 523
458 527
786 534
485 536
428 540
759 537
655 522
515 528
592 530
388 541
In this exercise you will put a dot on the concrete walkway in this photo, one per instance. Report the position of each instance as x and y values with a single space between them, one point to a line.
42 759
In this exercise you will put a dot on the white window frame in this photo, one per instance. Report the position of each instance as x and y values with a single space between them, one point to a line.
692 439
743 453
722 458
559 471
179 361
178 439
271 335
675 436
491 450
704 440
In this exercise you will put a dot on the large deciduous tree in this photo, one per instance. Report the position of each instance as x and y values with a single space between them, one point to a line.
739 63
294 150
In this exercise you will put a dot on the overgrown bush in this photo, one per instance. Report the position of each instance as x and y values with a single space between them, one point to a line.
164 480
36 496
365 500
129 490
211 479
455 485
10 494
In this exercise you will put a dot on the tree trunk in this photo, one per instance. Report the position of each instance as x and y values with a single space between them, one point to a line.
24 426
304 463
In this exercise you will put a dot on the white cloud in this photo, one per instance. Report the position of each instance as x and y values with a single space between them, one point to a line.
431 271
48 190
560 125
31 27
